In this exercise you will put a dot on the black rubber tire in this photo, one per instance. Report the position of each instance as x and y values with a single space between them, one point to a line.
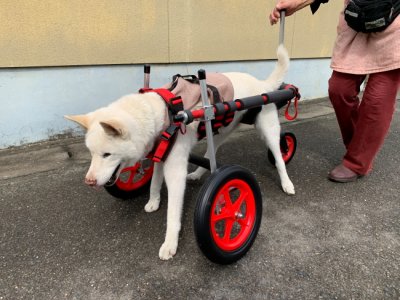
202 216
130 193
286 135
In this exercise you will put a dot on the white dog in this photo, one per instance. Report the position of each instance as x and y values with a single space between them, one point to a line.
125 132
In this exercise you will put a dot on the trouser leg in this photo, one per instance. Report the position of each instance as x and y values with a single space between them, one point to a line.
343 93
374 116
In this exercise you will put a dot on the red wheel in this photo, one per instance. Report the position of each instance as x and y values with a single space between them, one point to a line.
288 148
232 215
291 142
132 180
228 214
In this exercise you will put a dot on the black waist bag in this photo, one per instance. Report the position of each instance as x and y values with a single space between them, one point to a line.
371 15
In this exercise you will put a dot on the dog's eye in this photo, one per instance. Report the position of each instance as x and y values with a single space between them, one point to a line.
106 155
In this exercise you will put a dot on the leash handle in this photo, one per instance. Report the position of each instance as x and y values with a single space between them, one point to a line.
282 27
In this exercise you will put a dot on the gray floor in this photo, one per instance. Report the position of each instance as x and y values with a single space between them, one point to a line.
63 240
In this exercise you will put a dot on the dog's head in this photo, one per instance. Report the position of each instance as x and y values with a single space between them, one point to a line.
111 146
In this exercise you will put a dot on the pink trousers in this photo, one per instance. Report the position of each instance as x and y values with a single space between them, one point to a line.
363 124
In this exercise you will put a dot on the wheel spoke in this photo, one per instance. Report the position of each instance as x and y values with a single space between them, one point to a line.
228 200
239 201
228 229
131 177
226 212
131 169
244 222
222 216
134 177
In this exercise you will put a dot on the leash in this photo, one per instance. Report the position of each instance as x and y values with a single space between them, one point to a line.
296 99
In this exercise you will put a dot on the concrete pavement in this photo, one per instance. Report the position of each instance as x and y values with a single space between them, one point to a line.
63 240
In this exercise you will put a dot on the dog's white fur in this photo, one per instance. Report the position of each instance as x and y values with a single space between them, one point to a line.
129 128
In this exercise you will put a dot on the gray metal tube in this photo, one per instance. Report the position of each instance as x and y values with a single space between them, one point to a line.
208 116
282 27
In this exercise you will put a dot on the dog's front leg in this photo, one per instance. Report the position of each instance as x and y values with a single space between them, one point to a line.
155 188
175 172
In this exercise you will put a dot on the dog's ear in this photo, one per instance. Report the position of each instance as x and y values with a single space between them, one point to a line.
82 120
113 128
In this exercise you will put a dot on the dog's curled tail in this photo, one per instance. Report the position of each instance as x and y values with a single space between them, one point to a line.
278 74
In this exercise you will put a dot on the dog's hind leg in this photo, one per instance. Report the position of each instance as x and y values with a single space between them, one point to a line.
268 125
155 188
175 172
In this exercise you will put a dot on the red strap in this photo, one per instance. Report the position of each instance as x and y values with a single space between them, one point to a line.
174 103
167 141
168 137
167 95
294 116
160 151
296 99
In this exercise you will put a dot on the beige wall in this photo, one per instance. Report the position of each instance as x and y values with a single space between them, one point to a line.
92 32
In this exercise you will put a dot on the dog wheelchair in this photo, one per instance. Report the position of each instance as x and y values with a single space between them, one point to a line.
228 210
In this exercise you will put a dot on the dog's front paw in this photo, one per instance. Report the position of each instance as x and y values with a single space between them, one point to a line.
288 188
152 205
168 250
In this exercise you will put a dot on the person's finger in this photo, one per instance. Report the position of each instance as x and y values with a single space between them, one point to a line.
276 14
284 6
273 19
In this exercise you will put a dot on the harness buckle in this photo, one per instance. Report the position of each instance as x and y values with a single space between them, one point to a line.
168 138
170 131
176 104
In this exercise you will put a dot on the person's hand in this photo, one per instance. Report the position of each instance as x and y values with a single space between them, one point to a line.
290 6
274 16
